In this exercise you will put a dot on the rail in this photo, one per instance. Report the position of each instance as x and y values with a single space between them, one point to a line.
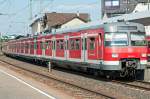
134 84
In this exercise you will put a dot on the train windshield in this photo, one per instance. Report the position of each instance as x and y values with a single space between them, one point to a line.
116 39
138 39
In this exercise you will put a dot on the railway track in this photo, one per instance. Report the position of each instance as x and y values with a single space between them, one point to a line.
141 85
103 95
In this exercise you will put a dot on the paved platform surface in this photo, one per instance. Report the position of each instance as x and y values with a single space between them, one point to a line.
12 88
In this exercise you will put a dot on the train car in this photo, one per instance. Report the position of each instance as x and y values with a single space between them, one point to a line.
111 49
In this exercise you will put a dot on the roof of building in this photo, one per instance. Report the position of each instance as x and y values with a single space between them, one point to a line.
54 19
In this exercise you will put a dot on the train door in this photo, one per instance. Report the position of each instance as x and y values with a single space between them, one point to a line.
66 47
48 47
28 46
60 47
54 47
84 47
148 50
43 47
94 47
75 48
34 46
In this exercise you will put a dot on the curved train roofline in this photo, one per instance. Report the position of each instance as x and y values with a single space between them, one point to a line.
94 25
90 25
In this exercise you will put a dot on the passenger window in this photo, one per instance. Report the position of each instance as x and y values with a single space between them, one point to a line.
35 44
148 44
54 45
61 44
66 44
72 44
57 45
85 43
41 45
100 40
77 44
92 43
48 45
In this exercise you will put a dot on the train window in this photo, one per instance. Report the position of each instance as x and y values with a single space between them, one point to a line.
66 44
28 46
92 43
85 43
138 39
127 27
25 46
41 45
58 45
48 45
72 44
35 45
54 45
148 44
61 44
77 44
116 39
100 39
22 46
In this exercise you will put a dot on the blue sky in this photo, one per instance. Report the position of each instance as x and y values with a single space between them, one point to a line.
16 12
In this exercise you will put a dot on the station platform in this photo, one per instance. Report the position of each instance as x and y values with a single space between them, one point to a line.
14 88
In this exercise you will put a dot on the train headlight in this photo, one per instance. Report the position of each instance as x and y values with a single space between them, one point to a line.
115 55
144 55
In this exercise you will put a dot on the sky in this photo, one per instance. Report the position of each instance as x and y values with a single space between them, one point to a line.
15 14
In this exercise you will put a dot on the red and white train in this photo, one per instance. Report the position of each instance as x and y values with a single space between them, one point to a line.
112 49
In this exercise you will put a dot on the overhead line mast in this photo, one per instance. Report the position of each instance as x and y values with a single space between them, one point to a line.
30 6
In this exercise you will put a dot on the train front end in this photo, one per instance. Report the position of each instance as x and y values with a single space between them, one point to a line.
125 50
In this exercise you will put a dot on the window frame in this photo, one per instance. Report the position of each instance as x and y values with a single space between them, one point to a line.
92 42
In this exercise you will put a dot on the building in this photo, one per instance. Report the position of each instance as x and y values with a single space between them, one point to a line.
53 21
36 26
111 8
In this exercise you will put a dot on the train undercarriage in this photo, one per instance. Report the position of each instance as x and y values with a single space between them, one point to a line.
129 68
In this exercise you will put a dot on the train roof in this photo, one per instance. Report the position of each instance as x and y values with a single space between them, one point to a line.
91 25
94 25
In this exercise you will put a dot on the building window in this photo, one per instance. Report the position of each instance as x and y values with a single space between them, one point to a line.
108 3
112 3
115 3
